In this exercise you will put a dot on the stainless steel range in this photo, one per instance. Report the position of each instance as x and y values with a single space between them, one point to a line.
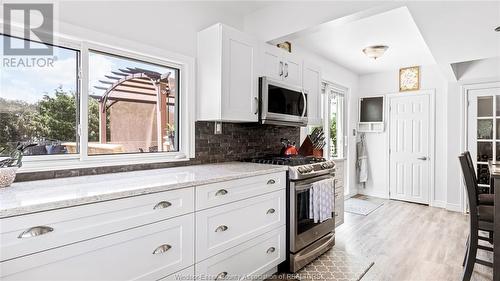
306 239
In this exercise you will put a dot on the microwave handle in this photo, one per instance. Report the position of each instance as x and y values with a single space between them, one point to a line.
305 103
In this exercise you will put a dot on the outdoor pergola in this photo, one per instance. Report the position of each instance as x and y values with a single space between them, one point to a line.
139 86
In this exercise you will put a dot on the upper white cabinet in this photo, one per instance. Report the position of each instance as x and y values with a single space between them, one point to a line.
279 64
227 75
312 87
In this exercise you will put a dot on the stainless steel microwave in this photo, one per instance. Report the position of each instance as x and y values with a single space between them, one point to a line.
281 104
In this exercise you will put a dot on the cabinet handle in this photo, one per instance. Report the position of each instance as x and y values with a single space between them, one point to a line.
286 69
162 249
271 181
221 275
221 192
35 231
257 105
270 211
281 68
271 250
221 228
162 205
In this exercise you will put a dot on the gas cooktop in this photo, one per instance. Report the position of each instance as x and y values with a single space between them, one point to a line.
292 160
300 167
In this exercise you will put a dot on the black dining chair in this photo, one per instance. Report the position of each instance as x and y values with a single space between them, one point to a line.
481 219
483 198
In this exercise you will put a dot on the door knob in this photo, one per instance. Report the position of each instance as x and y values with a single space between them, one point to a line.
423 158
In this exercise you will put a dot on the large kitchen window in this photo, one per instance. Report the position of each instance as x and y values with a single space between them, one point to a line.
132 106
94 103
39 101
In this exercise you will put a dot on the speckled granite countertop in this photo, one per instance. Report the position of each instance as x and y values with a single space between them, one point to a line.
35 196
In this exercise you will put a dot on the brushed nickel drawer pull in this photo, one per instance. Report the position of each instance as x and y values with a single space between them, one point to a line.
35 231
271 250
162 205
271 181
221 275
221 228
221 192
270 211
162 249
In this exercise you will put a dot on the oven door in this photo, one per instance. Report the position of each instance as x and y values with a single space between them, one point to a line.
282 104
303 230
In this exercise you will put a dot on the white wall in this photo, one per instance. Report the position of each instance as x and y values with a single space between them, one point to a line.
335 73
377 143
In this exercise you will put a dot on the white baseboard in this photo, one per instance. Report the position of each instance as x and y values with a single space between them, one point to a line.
454 207
438 204
373 194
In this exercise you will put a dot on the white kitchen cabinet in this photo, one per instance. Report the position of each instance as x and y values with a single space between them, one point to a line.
248 260
339 192
157 236
70 225
280 65
219 193
226 226
148 252
227 75
312 87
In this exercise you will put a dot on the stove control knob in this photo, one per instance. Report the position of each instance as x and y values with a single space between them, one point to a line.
301 170
310 168
325 165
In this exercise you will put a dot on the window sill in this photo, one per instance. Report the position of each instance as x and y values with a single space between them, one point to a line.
97 161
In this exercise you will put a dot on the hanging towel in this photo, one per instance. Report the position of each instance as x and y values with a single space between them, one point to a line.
321 200
362 162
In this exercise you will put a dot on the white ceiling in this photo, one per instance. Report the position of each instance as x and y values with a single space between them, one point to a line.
343 43
459 30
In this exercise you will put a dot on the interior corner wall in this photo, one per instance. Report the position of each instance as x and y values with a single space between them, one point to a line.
337 74
377 143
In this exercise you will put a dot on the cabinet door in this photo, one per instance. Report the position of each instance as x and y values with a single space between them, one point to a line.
312 87
239 79
292 70
271 64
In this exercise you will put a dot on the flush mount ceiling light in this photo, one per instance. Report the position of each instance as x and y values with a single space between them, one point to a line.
376 51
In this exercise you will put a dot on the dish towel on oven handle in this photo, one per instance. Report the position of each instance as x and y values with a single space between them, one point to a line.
321 204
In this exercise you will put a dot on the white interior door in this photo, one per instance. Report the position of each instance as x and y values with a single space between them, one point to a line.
410 163
483 131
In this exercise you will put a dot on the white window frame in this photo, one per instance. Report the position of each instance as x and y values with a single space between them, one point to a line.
327 113
186 109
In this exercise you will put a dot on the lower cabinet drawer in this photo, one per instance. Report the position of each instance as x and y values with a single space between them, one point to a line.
215 194
149 252
223 227
38 232
183 275
247 261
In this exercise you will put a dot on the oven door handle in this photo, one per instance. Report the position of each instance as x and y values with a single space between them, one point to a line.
306 184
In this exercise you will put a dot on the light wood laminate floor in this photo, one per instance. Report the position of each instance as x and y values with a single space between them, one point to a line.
410 242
